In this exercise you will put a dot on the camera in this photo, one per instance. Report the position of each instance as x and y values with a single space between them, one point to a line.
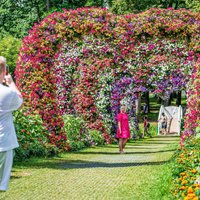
7 70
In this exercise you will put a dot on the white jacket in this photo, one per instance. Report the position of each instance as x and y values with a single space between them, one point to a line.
9 101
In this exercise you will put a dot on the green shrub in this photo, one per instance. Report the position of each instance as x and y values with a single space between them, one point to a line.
73 126
96 136
194 5
32 137
76 145
9 48
78 136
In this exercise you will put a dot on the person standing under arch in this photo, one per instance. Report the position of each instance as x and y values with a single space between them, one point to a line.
123 131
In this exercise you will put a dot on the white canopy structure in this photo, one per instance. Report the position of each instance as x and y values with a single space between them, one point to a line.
174 115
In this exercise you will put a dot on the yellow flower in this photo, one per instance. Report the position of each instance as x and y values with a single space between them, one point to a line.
194 171
190 190
192 195
182 187
184 182
182 173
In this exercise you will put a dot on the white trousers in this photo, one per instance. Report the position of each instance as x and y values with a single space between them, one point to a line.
6 162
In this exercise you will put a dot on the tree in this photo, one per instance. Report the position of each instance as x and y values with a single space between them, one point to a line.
135 6
18 16
9 48
194 5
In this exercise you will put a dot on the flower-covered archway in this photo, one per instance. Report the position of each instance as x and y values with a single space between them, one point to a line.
71 61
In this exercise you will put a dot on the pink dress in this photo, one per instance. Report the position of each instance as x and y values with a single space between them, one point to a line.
123 118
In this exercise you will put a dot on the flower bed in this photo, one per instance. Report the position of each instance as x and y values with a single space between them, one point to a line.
186 171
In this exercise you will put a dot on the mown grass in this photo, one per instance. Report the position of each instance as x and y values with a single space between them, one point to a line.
142 173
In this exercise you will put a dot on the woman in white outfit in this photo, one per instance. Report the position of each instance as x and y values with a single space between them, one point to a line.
10 100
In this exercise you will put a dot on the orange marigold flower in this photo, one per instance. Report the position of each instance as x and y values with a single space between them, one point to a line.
191 195
190 190
184 182
194 171
182 173
182 187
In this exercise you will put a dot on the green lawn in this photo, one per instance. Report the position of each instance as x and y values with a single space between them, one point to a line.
142 173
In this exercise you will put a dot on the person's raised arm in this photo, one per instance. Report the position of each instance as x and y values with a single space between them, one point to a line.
11 84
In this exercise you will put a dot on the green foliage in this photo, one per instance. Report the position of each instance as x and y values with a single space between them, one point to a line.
32 137
135 6
76 145
194 5
96 136
121 7
73 127
17 17
78 136
9 48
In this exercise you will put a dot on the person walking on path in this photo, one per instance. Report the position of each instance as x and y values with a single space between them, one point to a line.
10 100
163 121
123 131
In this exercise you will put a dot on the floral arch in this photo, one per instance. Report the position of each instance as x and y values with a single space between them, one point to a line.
74 61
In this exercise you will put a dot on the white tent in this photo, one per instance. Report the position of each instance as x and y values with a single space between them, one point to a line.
174 115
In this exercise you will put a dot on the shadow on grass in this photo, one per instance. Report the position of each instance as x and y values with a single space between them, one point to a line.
117 153
82 164
15 177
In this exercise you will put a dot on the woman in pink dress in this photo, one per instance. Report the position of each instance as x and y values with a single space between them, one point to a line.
123 131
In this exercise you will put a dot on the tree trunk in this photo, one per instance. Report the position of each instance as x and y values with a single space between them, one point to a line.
170 99
171 3
147 100
174 95
48 5
176 6
166 102
178 101
138 105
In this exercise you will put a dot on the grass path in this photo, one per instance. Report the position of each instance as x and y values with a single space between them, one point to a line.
96 173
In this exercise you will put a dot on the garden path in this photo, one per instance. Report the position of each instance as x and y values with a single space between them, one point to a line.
96 173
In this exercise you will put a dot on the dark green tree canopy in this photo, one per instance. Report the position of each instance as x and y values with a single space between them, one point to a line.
18 16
